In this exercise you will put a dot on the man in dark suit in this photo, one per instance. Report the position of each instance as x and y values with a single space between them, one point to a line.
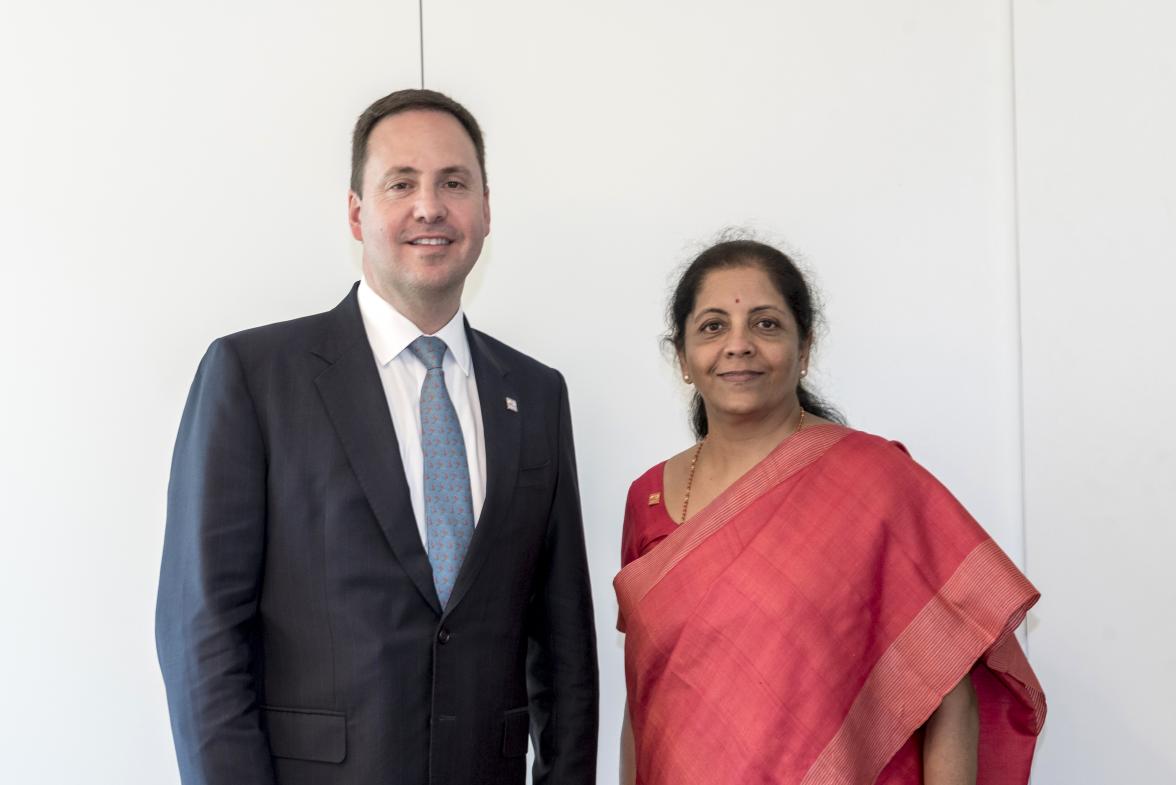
374 566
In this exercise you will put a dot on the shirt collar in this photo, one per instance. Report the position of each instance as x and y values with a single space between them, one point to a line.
390 332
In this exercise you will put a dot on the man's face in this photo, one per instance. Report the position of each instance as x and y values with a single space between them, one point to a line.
424 210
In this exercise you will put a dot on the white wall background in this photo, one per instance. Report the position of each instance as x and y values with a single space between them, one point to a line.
171 171
981 191
1096 104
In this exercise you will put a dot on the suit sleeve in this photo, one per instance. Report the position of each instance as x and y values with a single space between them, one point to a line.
562 678
205 616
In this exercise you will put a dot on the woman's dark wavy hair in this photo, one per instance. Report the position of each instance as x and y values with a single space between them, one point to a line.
789 281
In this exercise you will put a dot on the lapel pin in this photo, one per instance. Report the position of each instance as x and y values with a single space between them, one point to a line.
512 404
654 498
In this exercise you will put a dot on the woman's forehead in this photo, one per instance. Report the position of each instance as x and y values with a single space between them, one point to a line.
747 286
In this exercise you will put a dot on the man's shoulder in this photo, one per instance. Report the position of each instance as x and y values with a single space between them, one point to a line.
332 330
276 335
513 361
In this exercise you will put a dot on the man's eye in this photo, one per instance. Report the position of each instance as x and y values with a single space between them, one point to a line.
401 186
454 185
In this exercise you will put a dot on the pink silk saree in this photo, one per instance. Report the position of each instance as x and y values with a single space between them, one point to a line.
805 624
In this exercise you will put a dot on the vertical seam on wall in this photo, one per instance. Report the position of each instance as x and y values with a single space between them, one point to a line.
421 30
1020 350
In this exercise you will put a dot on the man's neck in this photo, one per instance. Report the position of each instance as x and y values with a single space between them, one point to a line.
429 314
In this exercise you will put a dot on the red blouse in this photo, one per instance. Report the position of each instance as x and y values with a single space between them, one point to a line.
647 521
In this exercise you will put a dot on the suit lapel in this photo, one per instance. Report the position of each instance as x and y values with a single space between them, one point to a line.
354 397
502 428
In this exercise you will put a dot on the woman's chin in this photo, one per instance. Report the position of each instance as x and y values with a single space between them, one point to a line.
746 409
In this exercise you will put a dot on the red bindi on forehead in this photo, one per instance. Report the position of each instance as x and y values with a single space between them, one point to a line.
736 299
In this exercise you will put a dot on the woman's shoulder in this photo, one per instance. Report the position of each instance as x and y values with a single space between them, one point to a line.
646 521
647 486
870 445
649 478
868 457
662 472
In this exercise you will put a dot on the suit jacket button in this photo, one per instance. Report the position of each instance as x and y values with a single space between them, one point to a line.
443 636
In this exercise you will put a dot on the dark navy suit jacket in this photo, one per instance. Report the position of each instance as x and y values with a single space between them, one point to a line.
299 633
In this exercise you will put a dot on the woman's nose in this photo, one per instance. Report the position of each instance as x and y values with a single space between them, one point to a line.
738 343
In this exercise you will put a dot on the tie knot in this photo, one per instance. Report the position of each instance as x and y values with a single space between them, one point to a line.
429 349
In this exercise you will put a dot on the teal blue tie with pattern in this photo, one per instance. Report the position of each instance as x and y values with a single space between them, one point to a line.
449 511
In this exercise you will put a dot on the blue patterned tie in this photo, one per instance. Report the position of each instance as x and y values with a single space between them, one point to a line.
449 511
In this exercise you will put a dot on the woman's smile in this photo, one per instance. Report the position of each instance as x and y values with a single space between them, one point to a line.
740 377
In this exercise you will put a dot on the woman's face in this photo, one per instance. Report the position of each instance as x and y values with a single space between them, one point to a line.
743 348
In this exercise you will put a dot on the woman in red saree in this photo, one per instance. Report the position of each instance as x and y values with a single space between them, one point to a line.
803 603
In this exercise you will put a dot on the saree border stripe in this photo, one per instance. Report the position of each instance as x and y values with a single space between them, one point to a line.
795 453
927 659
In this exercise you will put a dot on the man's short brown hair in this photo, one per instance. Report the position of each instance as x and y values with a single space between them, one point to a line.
405 101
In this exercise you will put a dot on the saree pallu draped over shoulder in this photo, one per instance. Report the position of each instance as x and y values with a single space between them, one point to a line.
803 627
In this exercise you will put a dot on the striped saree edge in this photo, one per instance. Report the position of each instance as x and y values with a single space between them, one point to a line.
936 649
795 453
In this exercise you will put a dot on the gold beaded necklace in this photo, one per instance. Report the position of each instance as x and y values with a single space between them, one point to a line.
694 463
690 479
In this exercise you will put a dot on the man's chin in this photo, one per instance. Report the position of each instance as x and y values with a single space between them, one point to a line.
439 284
441 273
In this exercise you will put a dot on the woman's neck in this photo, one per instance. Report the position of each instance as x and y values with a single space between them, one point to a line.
744 441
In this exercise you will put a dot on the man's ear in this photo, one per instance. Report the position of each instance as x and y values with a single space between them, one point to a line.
486 209
354 205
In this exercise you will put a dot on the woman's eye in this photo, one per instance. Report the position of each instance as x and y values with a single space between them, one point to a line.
711 327
768 324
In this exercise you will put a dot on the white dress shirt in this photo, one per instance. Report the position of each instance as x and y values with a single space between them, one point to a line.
389 332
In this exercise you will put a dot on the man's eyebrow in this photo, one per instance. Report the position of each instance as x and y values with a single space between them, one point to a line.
396 171
455 169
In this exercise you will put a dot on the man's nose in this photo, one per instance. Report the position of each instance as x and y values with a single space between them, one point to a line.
429 207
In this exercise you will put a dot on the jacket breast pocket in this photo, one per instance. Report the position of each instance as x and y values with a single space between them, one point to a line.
514 732
530 476
306 734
